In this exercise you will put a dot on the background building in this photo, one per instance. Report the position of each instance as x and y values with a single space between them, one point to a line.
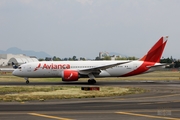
103 54
18 59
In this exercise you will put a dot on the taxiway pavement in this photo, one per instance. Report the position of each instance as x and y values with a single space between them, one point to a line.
161 102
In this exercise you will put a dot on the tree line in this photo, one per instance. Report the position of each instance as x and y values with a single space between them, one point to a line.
173 63
74 58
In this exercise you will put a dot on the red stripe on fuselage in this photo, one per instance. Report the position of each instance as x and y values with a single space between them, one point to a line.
143 68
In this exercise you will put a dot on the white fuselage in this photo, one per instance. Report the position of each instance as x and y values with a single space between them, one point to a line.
55 68
73 70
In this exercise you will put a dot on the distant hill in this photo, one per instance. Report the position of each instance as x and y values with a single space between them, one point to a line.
15 50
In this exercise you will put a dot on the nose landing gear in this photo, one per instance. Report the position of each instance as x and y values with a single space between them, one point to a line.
27 80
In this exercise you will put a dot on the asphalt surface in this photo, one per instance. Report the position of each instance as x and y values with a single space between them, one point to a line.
161 102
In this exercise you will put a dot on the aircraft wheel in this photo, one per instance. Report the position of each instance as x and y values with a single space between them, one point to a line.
91 81
94 81
27 81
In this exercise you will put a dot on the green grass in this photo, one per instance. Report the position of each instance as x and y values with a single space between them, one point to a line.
158 75
153 76
42 93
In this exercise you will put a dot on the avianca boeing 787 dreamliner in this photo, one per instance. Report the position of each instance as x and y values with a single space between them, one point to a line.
73 70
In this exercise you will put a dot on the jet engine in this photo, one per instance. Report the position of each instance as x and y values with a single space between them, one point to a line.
70 75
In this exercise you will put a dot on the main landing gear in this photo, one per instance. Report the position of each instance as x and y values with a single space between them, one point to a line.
27 80
91 81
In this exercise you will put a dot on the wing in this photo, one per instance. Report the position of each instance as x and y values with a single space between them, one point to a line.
98 69
7 69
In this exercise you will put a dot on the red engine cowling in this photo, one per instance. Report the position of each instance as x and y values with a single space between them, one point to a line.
70 75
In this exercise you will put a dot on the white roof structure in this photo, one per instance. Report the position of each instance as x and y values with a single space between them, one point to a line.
22 60
18 59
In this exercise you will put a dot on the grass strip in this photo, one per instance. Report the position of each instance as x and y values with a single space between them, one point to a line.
41 93
157 75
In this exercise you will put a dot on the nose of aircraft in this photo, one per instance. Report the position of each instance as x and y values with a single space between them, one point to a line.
15 73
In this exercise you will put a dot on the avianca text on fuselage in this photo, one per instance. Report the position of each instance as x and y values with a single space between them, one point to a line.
52 66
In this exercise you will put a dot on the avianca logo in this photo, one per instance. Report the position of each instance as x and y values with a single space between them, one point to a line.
52 66
37 67
70 76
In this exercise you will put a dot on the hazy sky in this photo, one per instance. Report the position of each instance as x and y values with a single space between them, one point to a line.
83 28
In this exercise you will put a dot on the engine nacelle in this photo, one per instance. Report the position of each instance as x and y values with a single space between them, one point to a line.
70 75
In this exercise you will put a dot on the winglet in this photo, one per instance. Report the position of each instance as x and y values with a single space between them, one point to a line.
155 53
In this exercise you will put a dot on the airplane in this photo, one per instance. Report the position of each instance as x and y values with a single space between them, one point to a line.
73 70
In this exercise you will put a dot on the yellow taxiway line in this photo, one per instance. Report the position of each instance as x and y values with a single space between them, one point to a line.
48 116
148 116
139 98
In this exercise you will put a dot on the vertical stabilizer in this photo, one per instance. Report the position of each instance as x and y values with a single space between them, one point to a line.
155 53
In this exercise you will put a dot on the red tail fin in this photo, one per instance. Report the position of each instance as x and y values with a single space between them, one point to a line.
155 53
